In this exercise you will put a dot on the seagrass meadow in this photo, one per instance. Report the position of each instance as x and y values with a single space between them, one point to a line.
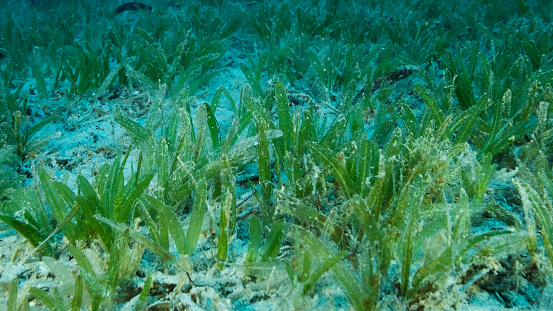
276 155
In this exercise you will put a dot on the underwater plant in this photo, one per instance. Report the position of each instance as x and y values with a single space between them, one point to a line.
298 154
17 135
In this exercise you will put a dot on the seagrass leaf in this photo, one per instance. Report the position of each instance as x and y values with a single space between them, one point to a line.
325 266
409 232
485 76
90 210
368 159
111 197
47 299
544 214
65 192
508 134
367 217
89 194
115 258
34 235
110 79
139 134
12 298
432 104
263 163
38 126
284 118
462 227
254 240
236 128
94 288
162 162
260 65
101 178
271 247
337 169
197 217
162 253
150 223
254 83
81 259
342 274
77 300
143 298
530 204
122 214
451 255
216 99
498 116
318 67
56 203
37 74
169 217
465 124
336 129
212 125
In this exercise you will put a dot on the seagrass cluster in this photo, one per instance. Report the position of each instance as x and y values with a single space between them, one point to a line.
369 146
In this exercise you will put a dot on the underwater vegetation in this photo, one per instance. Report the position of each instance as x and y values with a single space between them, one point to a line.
304 154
